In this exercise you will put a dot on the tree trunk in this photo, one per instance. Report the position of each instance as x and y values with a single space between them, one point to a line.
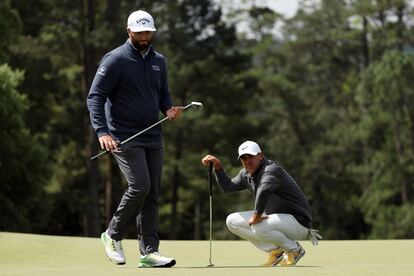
197 221
108 192
92 227
294 120
365 44
176 180
176 183
400 28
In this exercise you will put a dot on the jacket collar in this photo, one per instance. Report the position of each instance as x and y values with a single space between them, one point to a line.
259 170
150 50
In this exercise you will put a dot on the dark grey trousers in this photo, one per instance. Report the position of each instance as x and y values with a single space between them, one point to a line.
142 168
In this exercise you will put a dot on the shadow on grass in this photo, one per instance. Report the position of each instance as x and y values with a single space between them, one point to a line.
243 266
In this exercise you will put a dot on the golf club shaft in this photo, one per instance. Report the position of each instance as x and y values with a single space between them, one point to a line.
130 138
210 182
157 123
211 227
139 133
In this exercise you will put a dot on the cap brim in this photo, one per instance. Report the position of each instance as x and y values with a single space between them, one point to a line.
248 152
141 29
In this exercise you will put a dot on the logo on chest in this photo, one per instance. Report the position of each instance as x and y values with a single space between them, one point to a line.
155 68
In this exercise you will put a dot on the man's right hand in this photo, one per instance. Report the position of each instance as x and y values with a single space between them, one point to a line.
108 143
212 159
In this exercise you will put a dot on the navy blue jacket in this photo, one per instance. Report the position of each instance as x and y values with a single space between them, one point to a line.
127 94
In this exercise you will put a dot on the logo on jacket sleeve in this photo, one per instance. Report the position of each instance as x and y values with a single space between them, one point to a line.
102 70
155 68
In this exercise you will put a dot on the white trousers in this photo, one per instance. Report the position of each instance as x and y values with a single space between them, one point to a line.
277 231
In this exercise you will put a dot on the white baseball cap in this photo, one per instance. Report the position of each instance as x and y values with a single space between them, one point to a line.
249 147
140 21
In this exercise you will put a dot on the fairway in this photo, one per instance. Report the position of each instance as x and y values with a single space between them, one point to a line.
26 254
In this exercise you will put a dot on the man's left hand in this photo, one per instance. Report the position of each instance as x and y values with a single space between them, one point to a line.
174 112
257 218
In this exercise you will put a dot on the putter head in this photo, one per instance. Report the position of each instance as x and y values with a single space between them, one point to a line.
196 105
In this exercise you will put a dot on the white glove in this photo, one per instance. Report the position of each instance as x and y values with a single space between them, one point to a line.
313 236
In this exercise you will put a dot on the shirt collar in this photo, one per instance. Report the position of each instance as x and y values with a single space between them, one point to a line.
144 55
259 168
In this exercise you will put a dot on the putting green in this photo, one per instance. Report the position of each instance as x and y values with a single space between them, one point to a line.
26 254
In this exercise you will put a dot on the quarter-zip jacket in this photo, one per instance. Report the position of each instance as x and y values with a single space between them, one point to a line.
127 93
274 190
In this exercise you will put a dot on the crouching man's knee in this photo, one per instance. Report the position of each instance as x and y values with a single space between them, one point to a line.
234 221
260 231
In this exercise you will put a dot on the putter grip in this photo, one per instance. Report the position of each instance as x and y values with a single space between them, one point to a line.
210 178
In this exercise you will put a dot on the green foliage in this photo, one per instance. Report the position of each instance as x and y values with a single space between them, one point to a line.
386 95
205 64
23 163
10 26
302 111
328 95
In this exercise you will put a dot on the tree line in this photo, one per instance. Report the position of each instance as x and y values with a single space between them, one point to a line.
329 95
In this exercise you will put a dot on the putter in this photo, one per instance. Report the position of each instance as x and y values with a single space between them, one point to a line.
197 105
210 182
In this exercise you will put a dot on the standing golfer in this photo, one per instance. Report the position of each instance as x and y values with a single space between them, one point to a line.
128 92
281 214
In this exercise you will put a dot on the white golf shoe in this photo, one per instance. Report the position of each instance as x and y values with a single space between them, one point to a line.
113 249
275 257
155 259
293 256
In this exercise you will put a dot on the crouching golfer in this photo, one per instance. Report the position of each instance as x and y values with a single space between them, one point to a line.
281 213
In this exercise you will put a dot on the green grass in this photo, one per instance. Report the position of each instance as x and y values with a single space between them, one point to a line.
26 254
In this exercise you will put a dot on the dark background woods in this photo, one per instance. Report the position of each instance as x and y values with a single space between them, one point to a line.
329 95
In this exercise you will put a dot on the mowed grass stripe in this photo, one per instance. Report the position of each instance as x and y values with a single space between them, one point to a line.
27 254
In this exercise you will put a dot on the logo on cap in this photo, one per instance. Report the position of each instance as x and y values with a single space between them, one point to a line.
140 21
143 21
249 147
